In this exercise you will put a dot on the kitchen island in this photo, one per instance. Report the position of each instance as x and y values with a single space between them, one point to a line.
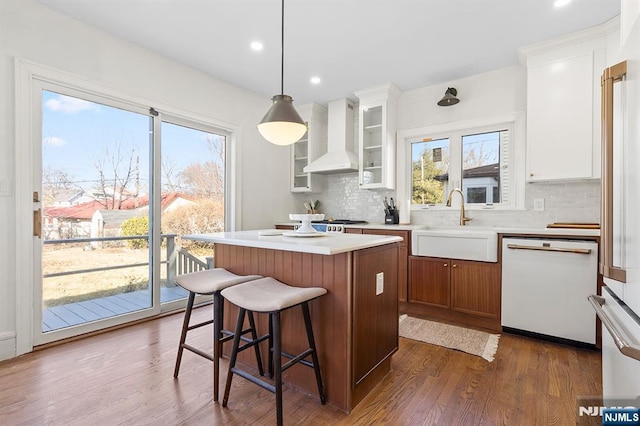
355 323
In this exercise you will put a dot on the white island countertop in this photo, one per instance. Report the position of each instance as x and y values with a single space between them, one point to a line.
327 243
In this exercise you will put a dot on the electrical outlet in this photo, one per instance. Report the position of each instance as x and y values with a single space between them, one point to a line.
538 204
379 283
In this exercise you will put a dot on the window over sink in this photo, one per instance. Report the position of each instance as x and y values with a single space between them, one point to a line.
475 156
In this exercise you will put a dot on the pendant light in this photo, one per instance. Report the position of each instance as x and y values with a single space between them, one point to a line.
282 125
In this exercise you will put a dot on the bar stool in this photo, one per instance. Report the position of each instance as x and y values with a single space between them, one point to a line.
267 295
212 282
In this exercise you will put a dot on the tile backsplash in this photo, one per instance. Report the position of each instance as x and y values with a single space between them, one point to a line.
574 201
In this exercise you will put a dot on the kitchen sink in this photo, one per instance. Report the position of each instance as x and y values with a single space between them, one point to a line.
456 243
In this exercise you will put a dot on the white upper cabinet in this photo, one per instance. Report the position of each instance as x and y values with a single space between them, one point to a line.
309 148
563 110
377 136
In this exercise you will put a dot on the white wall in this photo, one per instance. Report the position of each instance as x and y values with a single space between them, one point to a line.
32 32
484 95
490 94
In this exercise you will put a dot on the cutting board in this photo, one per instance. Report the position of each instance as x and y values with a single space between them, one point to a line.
574 225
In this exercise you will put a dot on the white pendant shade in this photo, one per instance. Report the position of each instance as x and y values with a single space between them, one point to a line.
282 132
282 125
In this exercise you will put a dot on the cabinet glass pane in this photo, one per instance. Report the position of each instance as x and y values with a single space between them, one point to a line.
300 161
372 127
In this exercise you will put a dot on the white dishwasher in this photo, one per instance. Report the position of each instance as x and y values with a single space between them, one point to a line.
545 284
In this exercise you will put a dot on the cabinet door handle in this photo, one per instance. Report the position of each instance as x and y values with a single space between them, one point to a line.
454 266
446 264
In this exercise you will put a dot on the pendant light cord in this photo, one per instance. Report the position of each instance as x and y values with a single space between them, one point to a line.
282 53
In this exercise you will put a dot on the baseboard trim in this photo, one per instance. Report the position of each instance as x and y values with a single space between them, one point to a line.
560 340
7 345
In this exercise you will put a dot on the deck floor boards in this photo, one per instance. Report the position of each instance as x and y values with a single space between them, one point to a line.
57 317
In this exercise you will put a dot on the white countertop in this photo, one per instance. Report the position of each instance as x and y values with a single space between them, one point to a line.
370 225
555 232
569 232
327 243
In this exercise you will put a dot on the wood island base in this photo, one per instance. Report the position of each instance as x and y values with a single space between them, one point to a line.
356 330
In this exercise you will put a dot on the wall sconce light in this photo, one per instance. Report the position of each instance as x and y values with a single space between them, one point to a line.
449 97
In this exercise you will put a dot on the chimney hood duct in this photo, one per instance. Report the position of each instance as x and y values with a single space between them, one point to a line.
340 156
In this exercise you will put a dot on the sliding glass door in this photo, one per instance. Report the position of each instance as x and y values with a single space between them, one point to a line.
193 197
120 184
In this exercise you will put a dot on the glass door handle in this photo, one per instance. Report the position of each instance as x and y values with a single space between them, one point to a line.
37 223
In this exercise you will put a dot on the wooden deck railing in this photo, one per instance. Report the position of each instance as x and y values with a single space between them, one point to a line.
179 261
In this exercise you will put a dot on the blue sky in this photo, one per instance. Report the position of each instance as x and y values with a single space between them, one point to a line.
75 134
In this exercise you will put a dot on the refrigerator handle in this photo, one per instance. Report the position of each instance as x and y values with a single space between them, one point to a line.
628 349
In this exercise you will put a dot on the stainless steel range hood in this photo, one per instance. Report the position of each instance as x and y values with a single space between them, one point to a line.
340 156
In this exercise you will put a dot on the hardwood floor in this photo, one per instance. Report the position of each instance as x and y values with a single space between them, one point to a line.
126 377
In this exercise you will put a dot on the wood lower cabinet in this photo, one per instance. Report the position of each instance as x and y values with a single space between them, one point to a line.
430 282
375 337
455 290
403 258
475 288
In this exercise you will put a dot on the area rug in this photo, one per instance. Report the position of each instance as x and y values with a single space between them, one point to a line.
473 342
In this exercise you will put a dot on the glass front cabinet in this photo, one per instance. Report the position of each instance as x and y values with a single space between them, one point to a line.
308 148
377 134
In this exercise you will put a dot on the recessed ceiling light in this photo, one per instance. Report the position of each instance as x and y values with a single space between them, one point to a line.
561 3
257 46
315 80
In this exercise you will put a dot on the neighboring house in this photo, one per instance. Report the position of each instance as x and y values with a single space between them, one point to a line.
170 201
70 197
106 223
77 221
479 184
69 222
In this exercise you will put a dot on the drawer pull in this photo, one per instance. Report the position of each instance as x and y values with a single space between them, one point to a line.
556 249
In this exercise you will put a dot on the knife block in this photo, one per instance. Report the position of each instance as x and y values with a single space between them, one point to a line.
392 218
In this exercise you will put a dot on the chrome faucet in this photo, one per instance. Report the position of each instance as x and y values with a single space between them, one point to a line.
463 219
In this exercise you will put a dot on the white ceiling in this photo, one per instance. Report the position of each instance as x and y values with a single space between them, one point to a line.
349 44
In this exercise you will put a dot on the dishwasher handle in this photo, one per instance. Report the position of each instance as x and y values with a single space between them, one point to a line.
628 349
555 249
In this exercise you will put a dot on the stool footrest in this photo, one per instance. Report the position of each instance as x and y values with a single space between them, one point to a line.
202 324
297 359
197 351
229 335
268 386
251 343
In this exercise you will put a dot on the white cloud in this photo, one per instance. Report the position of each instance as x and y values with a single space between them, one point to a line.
53 141
69 105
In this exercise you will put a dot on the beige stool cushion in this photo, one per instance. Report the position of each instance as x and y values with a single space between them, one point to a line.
211 280
269 295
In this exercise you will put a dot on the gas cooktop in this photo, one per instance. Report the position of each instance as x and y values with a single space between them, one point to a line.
341 221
